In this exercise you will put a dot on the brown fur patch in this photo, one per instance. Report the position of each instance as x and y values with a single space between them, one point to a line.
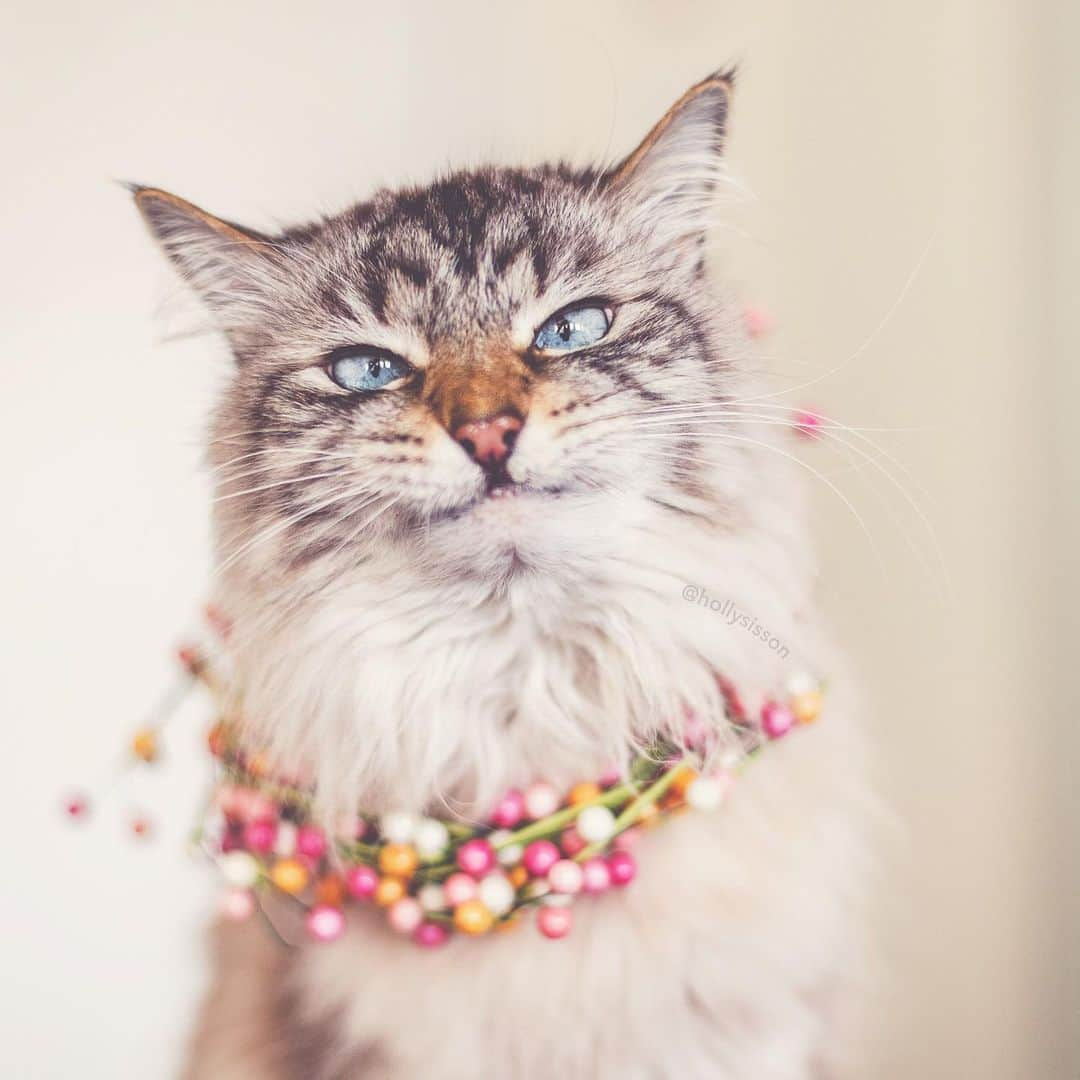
476 382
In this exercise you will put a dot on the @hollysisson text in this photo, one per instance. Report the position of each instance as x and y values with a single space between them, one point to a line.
695 594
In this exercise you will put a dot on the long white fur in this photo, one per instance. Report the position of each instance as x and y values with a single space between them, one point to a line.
437 672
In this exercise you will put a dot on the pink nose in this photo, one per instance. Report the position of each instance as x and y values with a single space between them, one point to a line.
489 442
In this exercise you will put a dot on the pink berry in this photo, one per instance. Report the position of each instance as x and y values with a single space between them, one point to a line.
259 835
565 877
555 922
459 888
311 841
233 840
807 423
732 699
259 806
611 775
230 800
757 321
349 827
539 857
237 904
362 881
509 811
405 915
571 842
621 867
325 922
627 841
776 719
189 657
596 877
696 732
430 935
476 857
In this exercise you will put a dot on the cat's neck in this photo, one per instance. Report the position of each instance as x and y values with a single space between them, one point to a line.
401 689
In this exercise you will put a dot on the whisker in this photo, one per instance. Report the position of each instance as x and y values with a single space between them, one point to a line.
276 483
297 457
275 528
872 337
804 465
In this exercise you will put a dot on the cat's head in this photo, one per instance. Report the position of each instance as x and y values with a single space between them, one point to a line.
486 372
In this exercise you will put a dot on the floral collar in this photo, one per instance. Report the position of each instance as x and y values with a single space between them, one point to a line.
539 849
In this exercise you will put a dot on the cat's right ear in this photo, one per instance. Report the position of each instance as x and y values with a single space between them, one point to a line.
233 269
671 178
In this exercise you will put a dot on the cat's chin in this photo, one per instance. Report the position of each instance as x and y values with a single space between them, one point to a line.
511 530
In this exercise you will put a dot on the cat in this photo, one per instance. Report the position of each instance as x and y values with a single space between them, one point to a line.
490 450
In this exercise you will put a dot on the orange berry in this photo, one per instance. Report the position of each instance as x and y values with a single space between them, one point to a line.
144 745
258 765
330 890
806 707
584 792
389 891
684 777
217 739
518 876
290 876
399 860
670 799
472 917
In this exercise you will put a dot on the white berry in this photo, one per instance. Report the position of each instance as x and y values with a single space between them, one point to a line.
432 897
595 824
397 827
430 838
705 793
497 894
239 869
285 840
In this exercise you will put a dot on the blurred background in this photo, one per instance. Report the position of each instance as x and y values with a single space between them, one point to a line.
910 222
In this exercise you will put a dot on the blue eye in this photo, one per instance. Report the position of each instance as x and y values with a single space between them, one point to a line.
366 369
573 328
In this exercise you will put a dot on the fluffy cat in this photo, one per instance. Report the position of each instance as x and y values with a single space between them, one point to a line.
482 441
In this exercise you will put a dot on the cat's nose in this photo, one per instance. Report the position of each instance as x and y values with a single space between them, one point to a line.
489 442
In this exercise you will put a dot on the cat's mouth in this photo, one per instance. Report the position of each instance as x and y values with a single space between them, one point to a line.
500 485
500 490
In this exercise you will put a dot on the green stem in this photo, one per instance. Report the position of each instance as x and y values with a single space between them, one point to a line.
632 812
557 821
357 849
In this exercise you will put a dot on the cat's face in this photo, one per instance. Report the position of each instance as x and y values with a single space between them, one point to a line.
485 370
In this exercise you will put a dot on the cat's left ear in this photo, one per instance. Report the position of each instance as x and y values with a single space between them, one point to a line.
233 269
672 177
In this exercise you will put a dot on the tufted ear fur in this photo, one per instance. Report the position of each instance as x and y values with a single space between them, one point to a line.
672 176
234 270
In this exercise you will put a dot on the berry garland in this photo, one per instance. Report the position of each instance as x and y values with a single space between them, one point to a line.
537 850
433 877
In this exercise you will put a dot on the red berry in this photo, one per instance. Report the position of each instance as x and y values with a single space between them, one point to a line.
189 656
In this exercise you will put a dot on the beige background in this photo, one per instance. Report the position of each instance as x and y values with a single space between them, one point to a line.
913 228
